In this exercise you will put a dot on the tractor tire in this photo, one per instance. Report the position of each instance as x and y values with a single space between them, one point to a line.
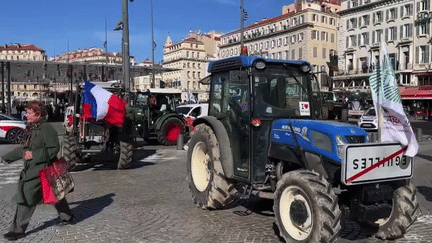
344 115
306 208
207 182
15 135
170 130
70 152
325 113
403 214
124 156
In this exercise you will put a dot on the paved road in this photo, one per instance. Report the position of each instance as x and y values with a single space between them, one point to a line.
151 203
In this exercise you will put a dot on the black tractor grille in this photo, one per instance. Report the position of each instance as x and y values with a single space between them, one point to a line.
355 139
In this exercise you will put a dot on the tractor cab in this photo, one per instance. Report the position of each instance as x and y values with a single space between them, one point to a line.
248 97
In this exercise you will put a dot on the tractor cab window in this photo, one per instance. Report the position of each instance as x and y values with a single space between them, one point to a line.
141 100
281 93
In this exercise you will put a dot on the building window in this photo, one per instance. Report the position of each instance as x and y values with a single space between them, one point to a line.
287 55
279 42
315 17
273 44
351 41
422 54
324 19
423 28
423 5
392 34
352 23
314 35
406 31
315 52
293 54
364 21
332 38
376 36
324 53
377 17
332 21
300 53
300 37
391 14
406 10
301 19
293 39
324 36
364 39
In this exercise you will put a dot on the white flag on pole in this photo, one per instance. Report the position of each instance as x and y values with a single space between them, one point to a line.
395 126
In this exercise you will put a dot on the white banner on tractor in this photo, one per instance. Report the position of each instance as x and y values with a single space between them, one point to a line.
393 124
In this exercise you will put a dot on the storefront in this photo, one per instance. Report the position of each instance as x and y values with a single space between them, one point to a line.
417 100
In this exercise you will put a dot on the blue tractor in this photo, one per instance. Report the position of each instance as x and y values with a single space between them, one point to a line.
264 137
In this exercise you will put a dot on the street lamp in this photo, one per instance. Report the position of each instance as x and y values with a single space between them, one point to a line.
124 26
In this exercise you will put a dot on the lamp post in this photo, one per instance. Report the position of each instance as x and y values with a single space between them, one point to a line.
124 26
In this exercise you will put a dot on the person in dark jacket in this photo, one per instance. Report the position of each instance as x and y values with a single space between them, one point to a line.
40 146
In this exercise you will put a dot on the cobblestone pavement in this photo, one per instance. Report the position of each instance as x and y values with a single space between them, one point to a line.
151 203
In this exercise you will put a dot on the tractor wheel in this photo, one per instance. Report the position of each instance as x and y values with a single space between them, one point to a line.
325 113
344 115
207 182
170 130
403 214
70 152
306 208
15 135
124 155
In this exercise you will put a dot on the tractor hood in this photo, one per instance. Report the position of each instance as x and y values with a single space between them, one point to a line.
318 137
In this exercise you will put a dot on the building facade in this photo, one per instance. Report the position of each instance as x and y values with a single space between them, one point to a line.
90 55
188 59
306 30
22 52
403 28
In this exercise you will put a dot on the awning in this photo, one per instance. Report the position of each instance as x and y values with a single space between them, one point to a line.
416 93
424 74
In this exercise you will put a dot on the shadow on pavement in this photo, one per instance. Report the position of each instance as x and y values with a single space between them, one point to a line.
426 157
351 230
426 192
106 162
84 210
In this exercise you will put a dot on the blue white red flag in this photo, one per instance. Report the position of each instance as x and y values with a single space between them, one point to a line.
395 126
101 104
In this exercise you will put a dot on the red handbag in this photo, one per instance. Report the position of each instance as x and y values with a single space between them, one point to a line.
56 181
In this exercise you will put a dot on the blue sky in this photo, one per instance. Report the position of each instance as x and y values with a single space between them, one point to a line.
51 24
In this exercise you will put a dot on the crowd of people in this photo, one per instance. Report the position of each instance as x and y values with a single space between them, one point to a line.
55 112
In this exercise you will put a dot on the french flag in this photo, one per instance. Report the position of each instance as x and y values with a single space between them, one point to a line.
101 104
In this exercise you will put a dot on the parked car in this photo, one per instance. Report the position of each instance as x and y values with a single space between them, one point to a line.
369 120
191 112
11 128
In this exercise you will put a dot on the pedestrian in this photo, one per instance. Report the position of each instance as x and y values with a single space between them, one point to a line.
40 143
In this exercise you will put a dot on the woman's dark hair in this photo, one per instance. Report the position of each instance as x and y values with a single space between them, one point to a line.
38 107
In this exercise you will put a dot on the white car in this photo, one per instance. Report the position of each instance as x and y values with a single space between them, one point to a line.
369 120
11 128
193 110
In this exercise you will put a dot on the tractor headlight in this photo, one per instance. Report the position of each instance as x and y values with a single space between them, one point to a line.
340 142
305 68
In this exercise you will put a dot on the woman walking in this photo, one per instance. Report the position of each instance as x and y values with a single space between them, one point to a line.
39 144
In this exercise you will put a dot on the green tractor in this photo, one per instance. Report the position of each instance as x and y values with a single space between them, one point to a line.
334 106
86 139
154 116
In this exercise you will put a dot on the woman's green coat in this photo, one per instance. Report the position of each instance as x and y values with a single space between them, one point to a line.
44 142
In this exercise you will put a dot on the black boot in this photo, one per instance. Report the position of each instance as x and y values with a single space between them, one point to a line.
13 235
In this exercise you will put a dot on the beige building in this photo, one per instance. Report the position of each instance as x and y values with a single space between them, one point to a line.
22 52
189 57
142 83
91 55
367 24
306 30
